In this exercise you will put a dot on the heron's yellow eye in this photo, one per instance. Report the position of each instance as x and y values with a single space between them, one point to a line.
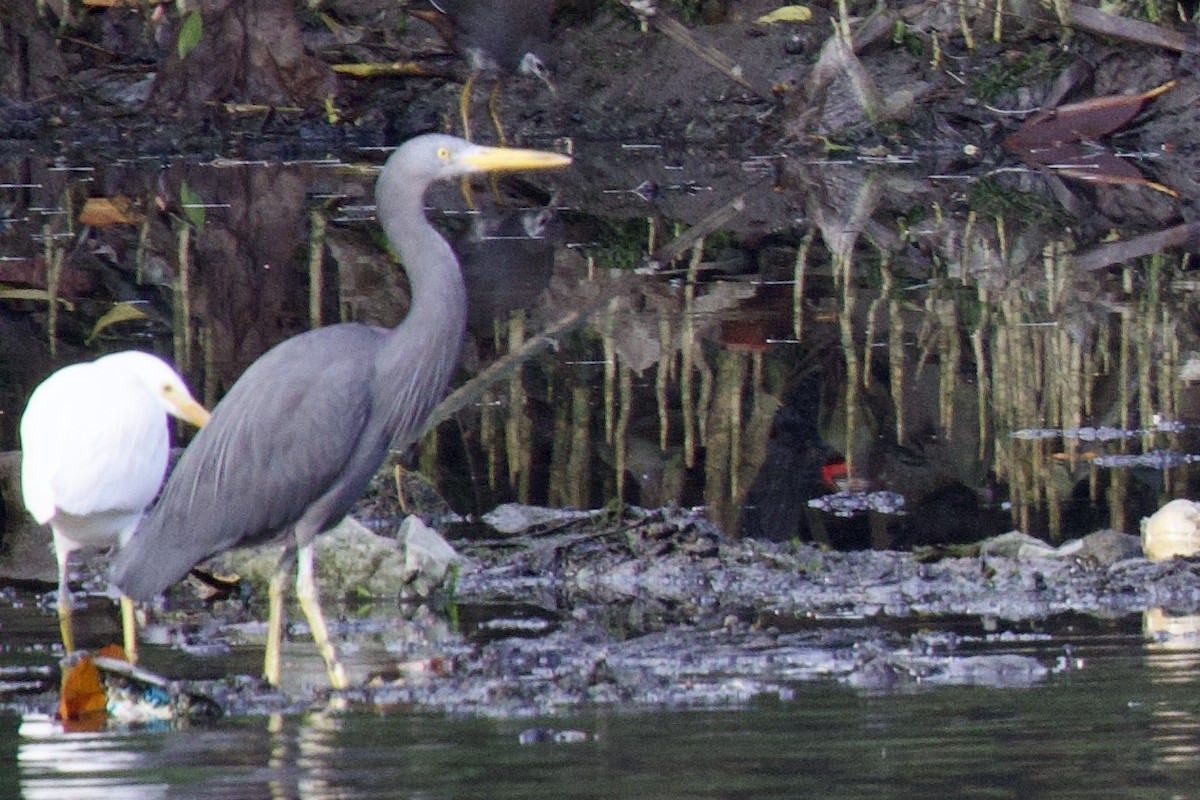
443 153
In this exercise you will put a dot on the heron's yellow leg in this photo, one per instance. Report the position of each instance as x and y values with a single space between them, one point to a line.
464 106
62 553
494 111
129 629
310 604
398 472
271 661
464 114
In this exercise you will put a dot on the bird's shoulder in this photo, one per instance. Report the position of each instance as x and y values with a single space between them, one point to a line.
287 427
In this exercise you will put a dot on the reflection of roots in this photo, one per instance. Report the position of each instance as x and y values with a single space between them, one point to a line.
1173 642
1173 653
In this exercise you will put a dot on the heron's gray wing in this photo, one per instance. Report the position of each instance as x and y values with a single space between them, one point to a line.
279 443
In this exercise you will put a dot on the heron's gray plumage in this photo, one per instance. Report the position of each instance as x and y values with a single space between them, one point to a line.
299 436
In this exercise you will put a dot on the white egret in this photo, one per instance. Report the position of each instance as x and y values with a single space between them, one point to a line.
95 442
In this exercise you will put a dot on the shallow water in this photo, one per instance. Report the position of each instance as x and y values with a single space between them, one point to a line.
1117 718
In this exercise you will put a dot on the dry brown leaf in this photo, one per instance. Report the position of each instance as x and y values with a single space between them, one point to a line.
1084 121
82 692
1094 165
103 212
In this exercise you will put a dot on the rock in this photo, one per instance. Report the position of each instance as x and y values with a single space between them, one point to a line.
1173 530
511 518
427 557
1104 547
1015 544
350 561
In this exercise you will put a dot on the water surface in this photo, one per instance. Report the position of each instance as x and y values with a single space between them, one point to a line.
1118 718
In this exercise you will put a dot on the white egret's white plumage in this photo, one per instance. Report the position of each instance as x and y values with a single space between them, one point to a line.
95 442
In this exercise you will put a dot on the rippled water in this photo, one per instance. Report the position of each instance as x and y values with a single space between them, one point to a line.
1120 719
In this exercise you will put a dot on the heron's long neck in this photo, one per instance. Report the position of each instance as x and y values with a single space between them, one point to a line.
421 352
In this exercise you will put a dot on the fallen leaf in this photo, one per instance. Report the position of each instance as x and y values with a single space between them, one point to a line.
193 206
190 33
786 14
1083 121
82 692
104 212
121 312
1094 165
112 651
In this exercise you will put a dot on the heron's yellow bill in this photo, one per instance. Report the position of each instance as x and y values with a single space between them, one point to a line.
496 159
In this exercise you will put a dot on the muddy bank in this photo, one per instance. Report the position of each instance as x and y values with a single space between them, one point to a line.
658 609
664 611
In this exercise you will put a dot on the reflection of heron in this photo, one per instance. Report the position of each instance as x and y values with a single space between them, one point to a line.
497 38
95 443
298 437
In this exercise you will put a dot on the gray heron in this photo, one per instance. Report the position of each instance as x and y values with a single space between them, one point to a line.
298 437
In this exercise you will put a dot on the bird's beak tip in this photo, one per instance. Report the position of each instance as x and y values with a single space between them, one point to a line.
195 413
495 159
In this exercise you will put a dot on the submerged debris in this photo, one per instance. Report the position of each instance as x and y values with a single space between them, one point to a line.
105 690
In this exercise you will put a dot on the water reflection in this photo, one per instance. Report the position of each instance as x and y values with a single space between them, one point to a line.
1120 723
851 316
278 757
80 767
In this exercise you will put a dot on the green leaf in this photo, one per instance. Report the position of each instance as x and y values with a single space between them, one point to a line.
190 33
193 206
118 313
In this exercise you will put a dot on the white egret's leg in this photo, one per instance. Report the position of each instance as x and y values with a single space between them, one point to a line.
62 551
129 629
310 603
271 662
64 616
